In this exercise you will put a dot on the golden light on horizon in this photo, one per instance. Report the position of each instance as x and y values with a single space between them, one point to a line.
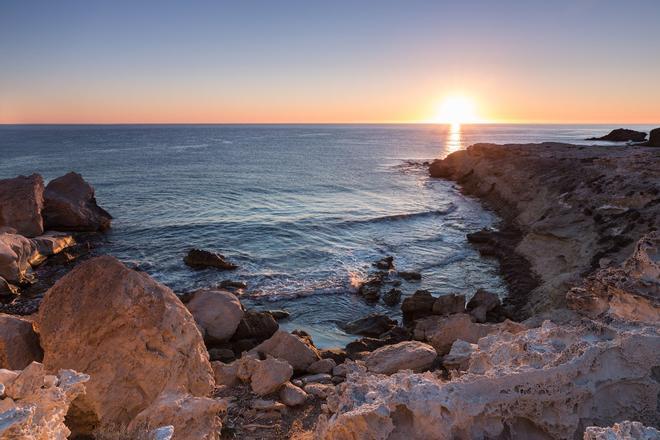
456 110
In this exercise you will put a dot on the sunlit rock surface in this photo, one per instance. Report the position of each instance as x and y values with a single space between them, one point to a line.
622 431
34 404
132 335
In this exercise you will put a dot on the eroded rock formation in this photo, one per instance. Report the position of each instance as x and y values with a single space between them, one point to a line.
21 202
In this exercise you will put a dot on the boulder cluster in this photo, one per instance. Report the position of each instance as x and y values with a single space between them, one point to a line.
30 213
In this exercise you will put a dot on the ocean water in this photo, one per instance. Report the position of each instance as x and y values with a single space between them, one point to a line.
302 209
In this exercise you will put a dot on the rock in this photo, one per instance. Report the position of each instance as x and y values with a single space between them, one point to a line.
442 331
621 135
256 325
419 305
52 243
298 352
392 297
449 304
654 138
322 366
21 203
7 289
269 375
320 390
482 304
316 378
221 354
336 354
408 355
348 367
386 263
70 205
216 312
229 284
371 325
191 417
17 254
198 258
459 356
132 335
410 276
19 344
279 314
622 431
225 374
370 289
267 405
36 407
629 292
521 392
291 395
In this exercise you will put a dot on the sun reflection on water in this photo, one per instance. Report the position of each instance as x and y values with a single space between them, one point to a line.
453 138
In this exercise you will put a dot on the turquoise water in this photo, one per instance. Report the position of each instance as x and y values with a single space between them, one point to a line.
303 210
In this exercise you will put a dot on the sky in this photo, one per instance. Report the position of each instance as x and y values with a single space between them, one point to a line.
244 61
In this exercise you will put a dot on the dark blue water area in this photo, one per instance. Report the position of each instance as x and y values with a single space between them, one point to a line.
302 209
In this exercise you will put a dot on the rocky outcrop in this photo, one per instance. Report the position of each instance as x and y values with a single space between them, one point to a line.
407 355
621 135
21 203
33 405
70 205
545 382
19 344
622 431
132 335
216 312
297 351
576 208
630 292
190 417
199 258
18 255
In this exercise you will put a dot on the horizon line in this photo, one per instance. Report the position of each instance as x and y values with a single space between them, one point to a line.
5 124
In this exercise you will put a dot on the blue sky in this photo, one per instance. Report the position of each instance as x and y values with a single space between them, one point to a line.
307 61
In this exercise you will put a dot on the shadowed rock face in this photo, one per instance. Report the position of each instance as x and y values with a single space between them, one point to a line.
21 203
621 135
132 335
576 208
19 344
654 138
70 205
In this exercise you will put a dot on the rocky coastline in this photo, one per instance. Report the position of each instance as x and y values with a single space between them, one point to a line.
573 352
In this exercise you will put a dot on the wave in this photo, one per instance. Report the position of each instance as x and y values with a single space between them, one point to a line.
406 216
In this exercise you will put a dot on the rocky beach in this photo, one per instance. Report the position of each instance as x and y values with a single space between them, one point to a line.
103 351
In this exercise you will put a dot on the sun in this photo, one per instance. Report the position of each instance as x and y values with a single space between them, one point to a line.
456 110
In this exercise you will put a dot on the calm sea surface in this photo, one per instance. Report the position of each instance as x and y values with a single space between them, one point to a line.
303 210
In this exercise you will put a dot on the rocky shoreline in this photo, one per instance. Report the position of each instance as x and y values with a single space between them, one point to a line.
573 352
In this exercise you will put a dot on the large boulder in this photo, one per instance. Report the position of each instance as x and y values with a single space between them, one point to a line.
269 375
482 304
132 335
449 304
70 205
216 312
256 325
297 351
654 138
407 355
191 417
621 135
33 405
21 204
19 344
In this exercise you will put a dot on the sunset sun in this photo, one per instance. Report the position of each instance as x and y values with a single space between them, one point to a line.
457 109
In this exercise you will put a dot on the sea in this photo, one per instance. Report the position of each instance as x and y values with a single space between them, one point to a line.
303 210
